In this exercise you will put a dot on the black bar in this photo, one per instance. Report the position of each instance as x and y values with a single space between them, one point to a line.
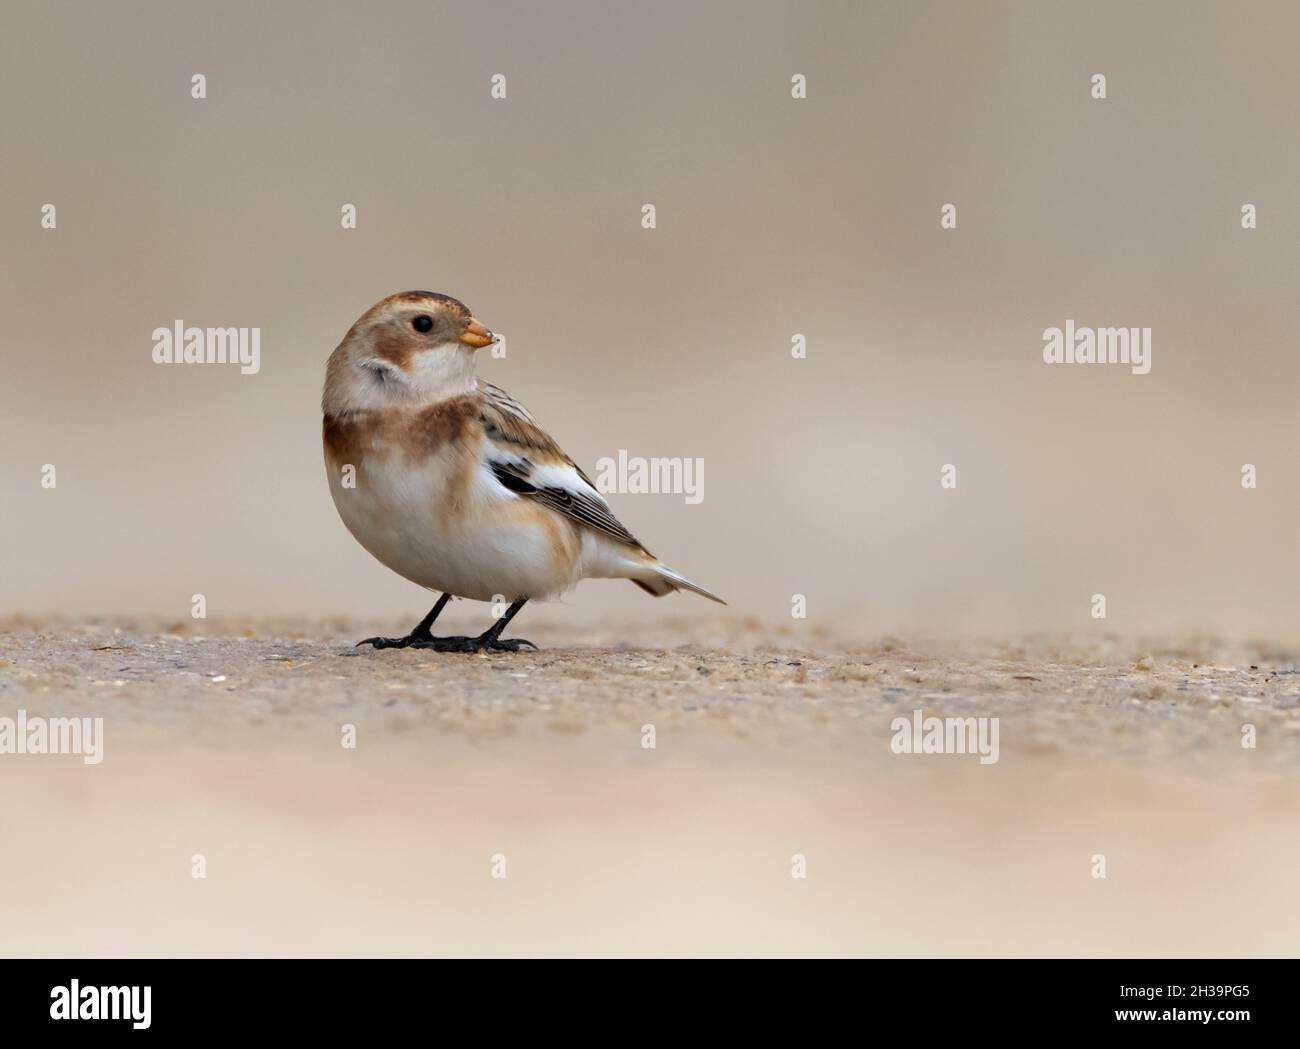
370 998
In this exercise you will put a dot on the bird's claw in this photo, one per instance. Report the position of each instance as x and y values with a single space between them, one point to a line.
390 642
511 644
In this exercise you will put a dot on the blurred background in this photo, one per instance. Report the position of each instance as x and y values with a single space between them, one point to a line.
775 216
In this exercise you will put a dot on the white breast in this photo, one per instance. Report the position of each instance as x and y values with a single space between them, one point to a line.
488 544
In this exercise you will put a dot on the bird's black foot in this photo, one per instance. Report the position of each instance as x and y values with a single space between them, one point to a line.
420 633
471 644
488 641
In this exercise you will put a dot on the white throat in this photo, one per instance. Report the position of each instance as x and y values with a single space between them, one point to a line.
442 372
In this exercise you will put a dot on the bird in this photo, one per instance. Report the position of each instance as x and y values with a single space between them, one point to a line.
452 483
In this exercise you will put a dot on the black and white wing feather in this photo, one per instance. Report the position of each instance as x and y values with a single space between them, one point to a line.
525 459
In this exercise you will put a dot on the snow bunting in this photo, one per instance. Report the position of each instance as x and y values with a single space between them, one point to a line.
450 482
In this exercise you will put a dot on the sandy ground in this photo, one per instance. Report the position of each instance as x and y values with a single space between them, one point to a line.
768 744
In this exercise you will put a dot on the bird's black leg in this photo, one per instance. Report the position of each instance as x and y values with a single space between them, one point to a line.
420 633
488 641
490 638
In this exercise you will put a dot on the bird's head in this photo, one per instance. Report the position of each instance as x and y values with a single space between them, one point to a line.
414 347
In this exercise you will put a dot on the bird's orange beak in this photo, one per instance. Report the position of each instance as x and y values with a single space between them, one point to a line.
476 335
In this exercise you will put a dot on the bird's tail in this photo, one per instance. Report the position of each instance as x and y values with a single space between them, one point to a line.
658 579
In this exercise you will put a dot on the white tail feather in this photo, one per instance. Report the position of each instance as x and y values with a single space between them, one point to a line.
658 579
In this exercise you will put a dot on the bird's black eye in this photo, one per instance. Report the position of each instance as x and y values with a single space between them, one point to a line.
422 323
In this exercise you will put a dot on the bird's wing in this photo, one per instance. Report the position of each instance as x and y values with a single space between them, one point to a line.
526 460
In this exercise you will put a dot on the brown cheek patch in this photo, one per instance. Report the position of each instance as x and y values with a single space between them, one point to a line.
395 346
